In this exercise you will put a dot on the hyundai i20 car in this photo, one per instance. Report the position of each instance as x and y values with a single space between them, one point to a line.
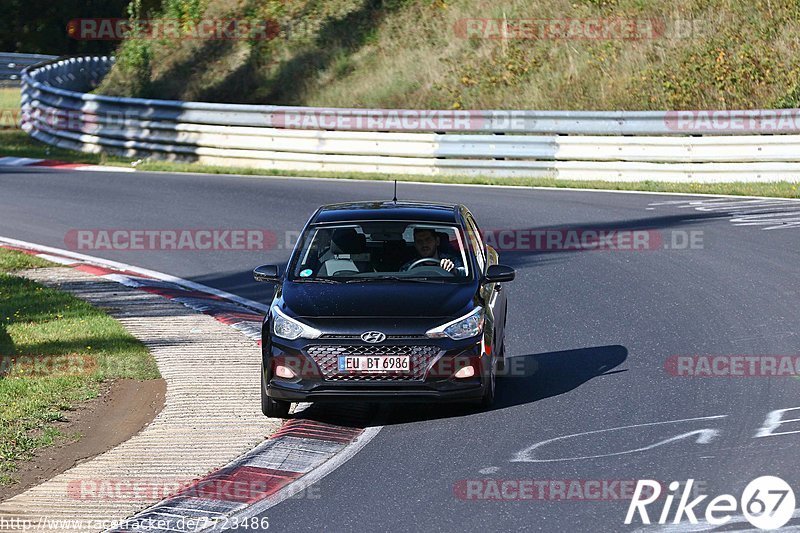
385 301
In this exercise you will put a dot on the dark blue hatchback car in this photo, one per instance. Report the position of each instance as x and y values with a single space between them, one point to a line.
385 301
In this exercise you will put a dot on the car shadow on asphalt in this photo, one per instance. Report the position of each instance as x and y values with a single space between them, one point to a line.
530 378
526 379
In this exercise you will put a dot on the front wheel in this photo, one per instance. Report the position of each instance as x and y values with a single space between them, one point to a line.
501 357
501 353
487 399
272 408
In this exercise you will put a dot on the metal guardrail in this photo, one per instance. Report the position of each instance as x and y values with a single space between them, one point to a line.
11 65
624 146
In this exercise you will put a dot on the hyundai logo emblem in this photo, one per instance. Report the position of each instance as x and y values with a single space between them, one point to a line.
373 337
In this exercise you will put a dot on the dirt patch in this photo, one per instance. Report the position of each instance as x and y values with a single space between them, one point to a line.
124 408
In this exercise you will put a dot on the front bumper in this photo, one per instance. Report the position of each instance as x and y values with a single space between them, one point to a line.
430 380
372 392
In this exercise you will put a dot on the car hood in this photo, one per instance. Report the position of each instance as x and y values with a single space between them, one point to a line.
378 299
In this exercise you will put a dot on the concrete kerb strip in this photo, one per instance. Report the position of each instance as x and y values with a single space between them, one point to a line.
211 415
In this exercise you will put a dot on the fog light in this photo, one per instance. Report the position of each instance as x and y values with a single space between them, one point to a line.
466 372
284 372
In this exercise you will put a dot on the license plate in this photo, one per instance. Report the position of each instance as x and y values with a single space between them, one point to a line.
374 364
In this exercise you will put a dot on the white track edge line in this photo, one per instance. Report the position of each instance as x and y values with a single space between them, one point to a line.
130 268
99 168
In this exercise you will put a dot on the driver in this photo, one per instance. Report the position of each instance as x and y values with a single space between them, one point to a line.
426 242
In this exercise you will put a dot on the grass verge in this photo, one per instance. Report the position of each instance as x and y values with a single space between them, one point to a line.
18 144
781 189
55 352
9 99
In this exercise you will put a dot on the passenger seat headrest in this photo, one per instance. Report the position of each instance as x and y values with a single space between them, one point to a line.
347 241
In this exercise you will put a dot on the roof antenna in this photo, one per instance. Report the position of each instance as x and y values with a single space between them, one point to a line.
395 192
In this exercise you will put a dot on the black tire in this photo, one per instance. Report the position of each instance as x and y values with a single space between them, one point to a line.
501 353
501 357
272 408
487 400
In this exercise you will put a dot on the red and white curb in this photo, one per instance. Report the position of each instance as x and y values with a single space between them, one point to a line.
58 165
241 313
300 453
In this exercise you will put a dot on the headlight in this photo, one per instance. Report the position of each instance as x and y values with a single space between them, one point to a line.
289 328
465 327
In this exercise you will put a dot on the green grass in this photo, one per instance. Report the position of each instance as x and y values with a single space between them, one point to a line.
9 110
411 53
9 98
56 351
11 260
17 143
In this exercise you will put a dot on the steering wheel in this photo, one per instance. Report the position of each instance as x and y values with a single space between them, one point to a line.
419 262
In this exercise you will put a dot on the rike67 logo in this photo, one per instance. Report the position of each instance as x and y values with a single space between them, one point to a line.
767 503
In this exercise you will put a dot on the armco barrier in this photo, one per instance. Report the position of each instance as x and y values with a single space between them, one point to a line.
11 65
620 146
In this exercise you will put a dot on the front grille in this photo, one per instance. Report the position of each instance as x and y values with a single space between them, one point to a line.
327 358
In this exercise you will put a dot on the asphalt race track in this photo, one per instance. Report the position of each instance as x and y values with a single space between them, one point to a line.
592 331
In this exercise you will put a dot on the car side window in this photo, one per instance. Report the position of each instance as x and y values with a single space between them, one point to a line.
474 236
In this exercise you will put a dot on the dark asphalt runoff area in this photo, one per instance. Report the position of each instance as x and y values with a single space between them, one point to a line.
593 334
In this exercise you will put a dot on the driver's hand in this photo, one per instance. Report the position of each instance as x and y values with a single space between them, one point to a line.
447 264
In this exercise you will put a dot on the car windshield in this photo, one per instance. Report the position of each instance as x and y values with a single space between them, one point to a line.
381 250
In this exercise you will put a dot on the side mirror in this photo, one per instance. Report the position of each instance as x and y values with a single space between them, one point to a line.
266 273
499 273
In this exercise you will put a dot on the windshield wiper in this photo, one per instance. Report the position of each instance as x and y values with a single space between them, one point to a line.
393 278
318 280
